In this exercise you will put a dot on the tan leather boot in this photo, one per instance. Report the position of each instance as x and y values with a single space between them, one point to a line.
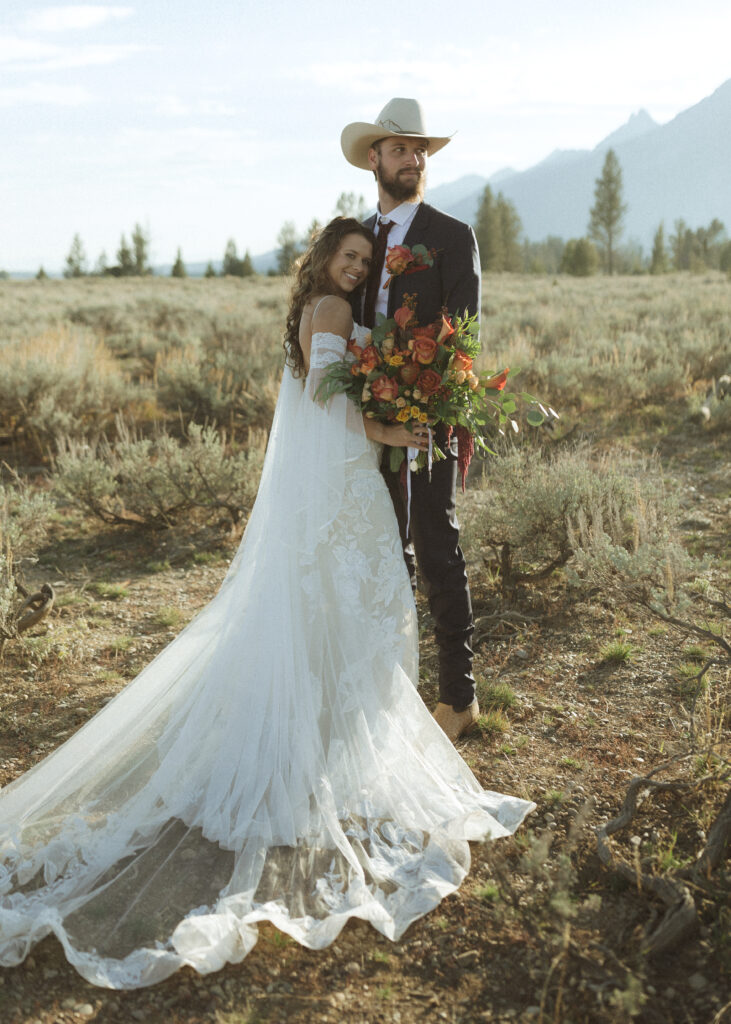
457 723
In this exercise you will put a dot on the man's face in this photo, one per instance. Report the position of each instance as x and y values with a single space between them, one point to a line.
400 167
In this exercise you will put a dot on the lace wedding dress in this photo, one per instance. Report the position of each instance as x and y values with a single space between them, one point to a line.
273 763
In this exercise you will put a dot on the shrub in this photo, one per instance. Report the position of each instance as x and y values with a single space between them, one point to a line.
153 482
63 381
528 497
24 515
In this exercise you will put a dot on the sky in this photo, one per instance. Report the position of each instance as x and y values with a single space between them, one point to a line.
218 120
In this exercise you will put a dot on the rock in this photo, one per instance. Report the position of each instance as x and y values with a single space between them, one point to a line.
216 990
696 522
468 959
697 981
68 1004
85 1009
352 967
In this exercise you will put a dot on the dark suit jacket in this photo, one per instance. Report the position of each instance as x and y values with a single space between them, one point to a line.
454 280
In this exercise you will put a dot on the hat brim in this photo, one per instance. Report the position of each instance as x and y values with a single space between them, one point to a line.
357 138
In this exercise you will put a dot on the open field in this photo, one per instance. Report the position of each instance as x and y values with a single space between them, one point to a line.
583 687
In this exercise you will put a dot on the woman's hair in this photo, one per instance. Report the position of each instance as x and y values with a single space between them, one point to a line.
311 277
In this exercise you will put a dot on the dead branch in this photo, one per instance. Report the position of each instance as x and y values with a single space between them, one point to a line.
717 843
680 914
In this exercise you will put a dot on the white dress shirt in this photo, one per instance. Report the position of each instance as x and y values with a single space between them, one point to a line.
402 217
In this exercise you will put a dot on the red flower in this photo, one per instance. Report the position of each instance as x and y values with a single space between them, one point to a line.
428 382
398 259
497 382
461 361
370 358
425 349
354 348
403 315
409 372
384 389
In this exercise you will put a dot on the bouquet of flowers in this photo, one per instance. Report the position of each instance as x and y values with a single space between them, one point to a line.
412 373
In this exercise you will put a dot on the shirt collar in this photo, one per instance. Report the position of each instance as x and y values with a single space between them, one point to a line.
402 214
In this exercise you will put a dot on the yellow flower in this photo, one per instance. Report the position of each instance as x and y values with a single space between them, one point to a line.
400 402
396 359
403 415
460 376
417 394
423 417
415 411
370 415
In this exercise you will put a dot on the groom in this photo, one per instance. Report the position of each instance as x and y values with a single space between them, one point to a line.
396 148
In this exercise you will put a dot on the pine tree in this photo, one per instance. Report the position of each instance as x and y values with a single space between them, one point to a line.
247 265
659 258
141 247
605 216
101 267
510 230
231 266
210 271
289 248
76 259
41 275
179 267
350 205
487 231
125 260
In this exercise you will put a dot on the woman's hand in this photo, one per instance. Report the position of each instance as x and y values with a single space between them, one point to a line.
398 435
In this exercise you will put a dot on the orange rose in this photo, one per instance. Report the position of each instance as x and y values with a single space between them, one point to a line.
461 361
403 315
384 389
398 259
370 358
356 350
445 329
409 372
424 350
428 382
426 332
498 381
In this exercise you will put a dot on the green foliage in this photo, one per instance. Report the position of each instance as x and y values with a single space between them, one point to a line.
607 213
232 266
543 257
289 247
125 260
580 258
659 263
498 229
25 514
350 205
154 482
521 513
702 249
617 652
76 259
62 382
179 267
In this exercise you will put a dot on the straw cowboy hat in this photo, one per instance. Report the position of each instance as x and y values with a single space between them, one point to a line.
398 117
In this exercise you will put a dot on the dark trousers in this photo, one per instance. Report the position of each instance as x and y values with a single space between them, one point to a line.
433 542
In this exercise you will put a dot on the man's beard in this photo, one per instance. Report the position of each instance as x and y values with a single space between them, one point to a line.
404 191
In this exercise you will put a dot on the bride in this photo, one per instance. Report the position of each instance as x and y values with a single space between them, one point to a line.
275 762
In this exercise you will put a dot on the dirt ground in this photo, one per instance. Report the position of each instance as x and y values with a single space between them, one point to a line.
540 930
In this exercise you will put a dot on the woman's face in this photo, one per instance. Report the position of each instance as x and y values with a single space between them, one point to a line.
349 266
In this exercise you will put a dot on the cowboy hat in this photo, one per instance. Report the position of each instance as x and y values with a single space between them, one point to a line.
399 117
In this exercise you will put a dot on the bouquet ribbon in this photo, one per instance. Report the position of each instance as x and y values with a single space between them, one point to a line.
411 454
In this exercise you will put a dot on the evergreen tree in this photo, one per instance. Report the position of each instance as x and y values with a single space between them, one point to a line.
209 272
76 259
125 260
487 231
141 247
312 231
543 257
350 205
247 266
510 230
659 258
41 275
232 265
179 267
580 258
605 216
289 248
100 267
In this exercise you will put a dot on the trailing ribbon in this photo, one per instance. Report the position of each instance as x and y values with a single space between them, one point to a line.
411 455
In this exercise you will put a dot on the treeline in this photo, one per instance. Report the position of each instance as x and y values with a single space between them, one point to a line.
499 236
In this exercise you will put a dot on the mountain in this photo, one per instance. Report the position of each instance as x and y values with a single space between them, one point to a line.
670 171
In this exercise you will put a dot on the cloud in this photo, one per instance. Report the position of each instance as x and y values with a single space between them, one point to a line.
74 17
36 93
174 106
31 55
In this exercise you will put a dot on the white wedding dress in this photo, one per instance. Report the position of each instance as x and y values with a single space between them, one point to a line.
273 763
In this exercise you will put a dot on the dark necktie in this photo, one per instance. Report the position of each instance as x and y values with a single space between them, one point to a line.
374 278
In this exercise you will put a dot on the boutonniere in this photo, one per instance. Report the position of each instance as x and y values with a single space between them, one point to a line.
400 259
